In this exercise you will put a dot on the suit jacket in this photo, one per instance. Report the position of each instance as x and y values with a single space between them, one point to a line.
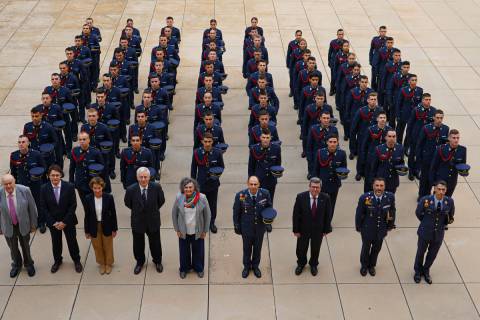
145 217
303 221
64 211
109 216
26 212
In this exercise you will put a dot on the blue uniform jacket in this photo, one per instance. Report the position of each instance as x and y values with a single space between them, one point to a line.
260 161
374 219
444 161
432 223
247 216
326 164
202 161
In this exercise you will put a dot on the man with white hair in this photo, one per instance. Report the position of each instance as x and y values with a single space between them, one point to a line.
145 199
18 218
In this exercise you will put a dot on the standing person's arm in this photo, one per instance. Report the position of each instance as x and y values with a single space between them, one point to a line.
72 206
360 214
297 217
175 213
237 215
206 218
160 196
128 198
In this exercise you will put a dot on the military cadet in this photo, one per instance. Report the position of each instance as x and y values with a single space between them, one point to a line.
311 116
42 136
217 64
296 55
82 157
160 95
373 137
135 31
334 47
262 157
374 217
364 118
264 122
82 72
205 158
249 53
352 80
175 31
292 45
445 159
300 65
212 37
430 137
130 53
207 104
317 136
247 222
170 51
99 134
308 93
208 126
169 67
388 157
261 72
91 41
134 40
435 213
260 88
408 98
22 161
421 115
70 81
303 78
126 69
355 99
254 26
343 71
94 30
391 68
53 114
166 78
210 71
397 82
213 26
339 58
326 163
149 139
375 45
115 95
131 159
262 105
212 46
80 51
208 87
154 112
252 64
380 59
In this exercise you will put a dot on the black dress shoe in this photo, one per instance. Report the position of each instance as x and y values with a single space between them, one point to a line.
213 228
417 277
411 177
183 275
78 267
331 93
43 229
295 107
299 270
303 155
345 138
290 95
245 272
159 267
136 91
351 156
363 271
427 277
138 268
200 274
113 175
124 139
117 155
372 271
257 272
31 271
314 270
299 121
268 227
14 272
127 121
358 177
55 267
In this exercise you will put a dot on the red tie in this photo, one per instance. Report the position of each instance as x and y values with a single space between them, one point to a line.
314 208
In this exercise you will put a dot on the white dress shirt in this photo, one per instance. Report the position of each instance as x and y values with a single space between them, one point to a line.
98 208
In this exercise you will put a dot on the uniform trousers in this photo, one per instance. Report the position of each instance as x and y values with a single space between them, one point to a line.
422 246
212 196
370 251
252 249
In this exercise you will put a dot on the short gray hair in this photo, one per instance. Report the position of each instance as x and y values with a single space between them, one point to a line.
143 170
188 180
315 180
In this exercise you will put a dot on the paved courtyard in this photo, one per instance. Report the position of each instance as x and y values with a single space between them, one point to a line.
442 41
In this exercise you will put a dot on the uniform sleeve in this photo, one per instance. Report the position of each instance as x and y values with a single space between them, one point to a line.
236 212
360 214
251 163
419 211
193 167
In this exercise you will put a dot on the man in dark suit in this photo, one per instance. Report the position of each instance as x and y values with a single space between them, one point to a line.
145 199
312 215
58 202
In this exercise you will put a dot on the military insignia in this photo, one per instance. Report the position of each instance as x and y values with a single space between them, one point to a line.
368 201
242 197
426 204
445 202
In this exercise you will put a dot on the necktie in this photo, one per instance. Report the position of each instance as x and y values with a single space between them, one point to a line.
12 209
56 191
314 208
254 200
144 195
439 206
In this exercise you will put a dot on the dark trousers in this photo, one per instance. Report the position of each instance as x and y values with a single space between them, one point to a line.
370 251
24 245
422 246
315 241
451 185
374 79
252 249
139 246
57 247
333 199
332 79
83 197
400 130
192 253
425 187
212 197
271 189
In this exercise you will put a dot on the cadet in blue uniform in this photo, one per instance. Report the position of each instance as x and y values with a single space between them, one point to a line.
380 59
261 72
98 133
292 45
327 160
94 30
210 71
131 159
308 93
91 41
40 132
297 55
333 49
445 158
253 26
339 59
207 105
83 156
375 216
298 68
391 68
21 162
429 138
204 158
160 95
344 70
260 88
394 85
248 222
317 139
262 105
374 136
435 213
375 45
302 78
262 156
264 122
354 100
175 31
420 116
208 87
213 26
81 71
80 51
408 98
311 117
208 126
387 157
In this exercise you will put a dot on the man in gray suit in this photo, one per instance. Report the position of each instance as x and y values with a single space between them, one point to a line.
18 218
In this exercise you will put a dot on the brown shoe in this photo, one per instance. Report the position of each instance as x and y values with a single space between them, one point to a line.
108 269
102 269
